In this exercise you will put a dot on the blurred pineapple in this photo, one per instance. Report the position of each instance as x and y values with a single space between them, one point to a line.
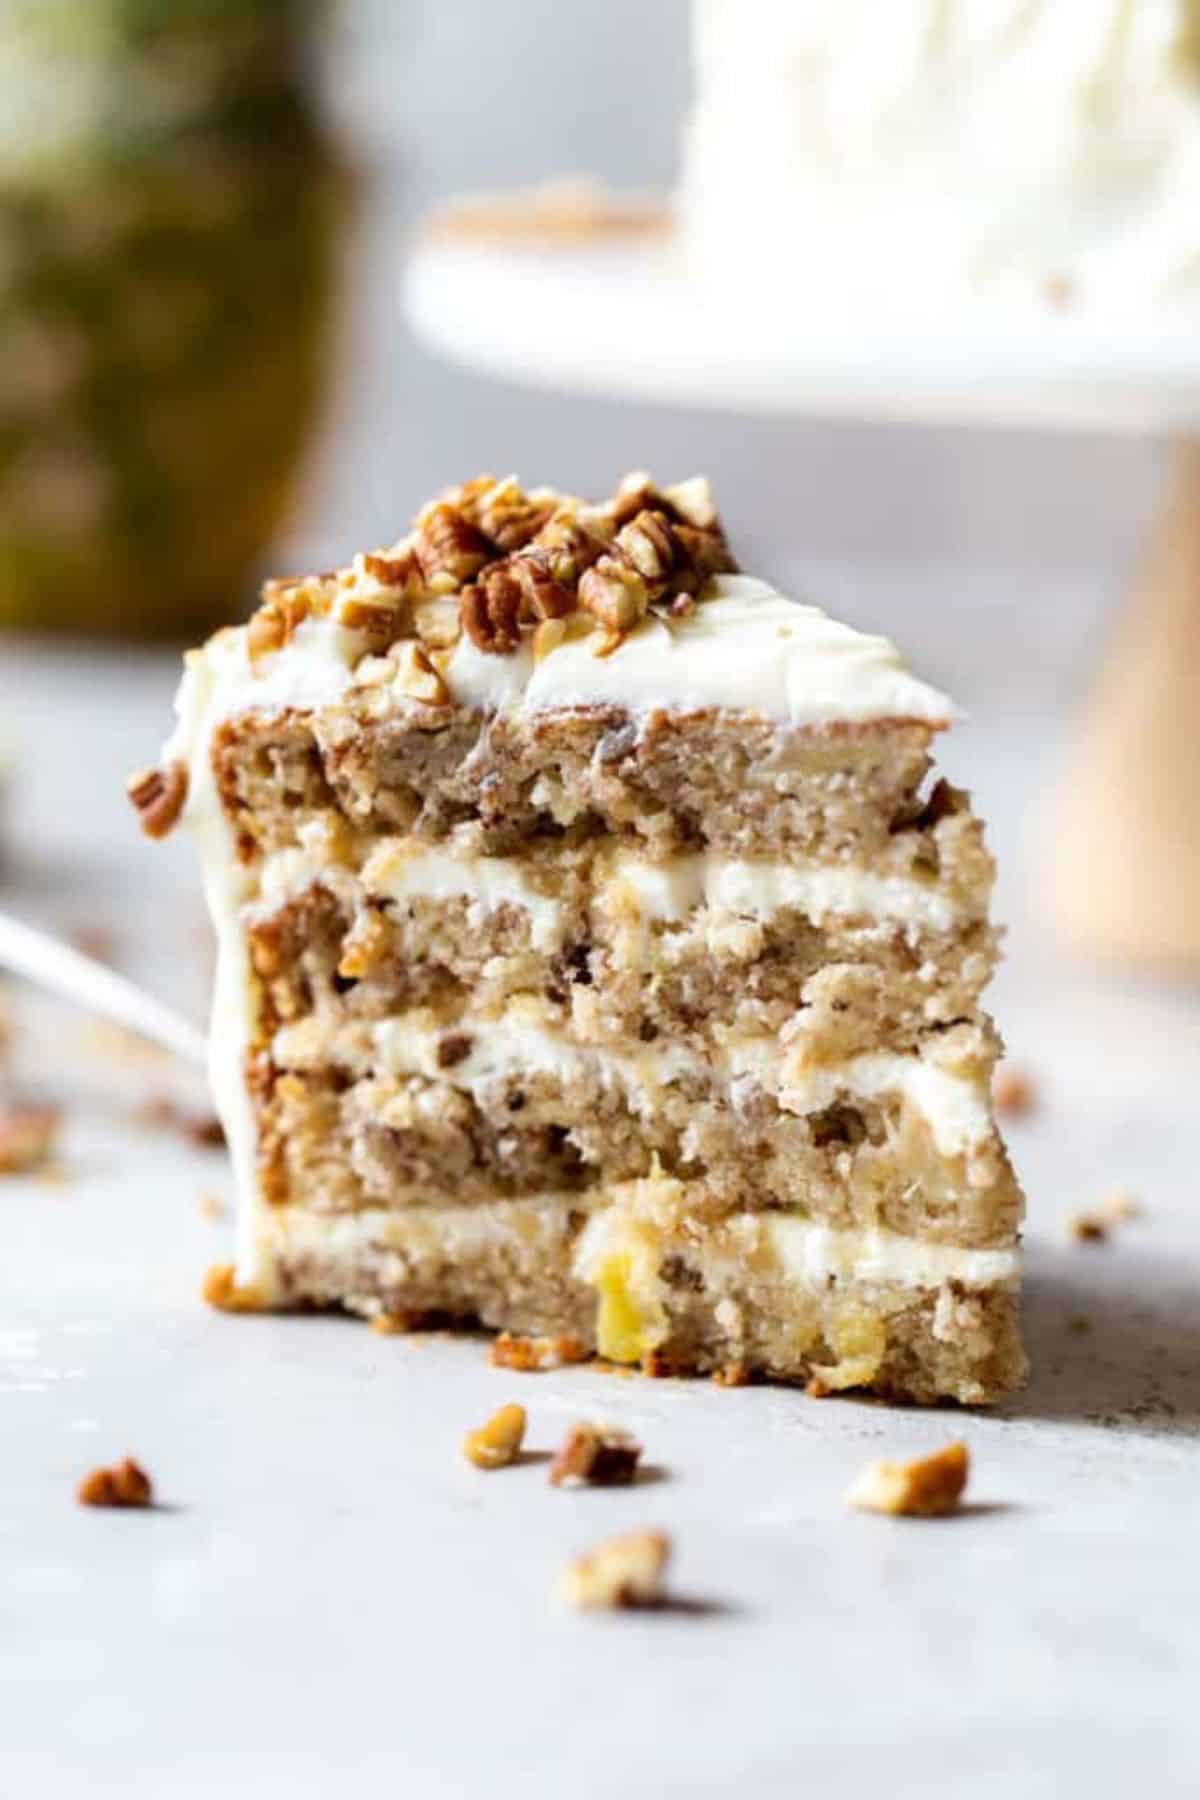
169 212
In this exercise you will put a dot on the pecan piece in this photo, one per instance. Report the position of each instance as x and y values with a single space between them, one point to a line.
498 1443
158 796
125 1484
491 612
450 550
929 1488
542 596
596 1456
622 1572
614 593
508 517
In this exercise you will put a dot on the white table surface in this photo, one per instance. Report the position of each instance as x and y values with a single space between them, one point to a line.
329 1594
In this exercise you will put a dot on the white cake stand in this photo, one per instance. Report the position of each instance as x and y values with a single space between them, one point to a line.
624 317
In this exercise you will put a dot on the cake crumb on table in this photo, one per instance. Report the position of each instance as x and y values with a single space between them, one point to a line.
211 1206
596 1456
929 1488
620 1573
498 1443
529 1355
124 1484
27 1137
221 1290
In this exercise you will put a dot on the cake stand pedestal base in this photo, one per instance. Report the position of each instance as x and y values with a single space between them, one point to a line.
1125 862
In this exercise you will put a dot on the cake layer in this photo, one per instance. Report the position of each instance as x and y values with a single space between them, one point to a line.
403 1113
605 967
739 786
642 1282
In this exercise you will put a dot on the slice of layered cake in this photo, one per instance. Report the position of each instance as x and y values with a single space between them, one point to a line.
597 956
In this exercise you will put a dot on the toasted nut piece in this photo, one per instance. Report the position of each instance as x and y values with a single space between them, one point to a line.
497 1443
929 1488
506 515
450 550
570 546
624 1571
399 570
27 1135
221 1290
158 796
596 1455
380 620
693 501
125 1484
542 597
614 594
532 1355
649 544
1014 1092
416 676
438 624
491 612
1088 1228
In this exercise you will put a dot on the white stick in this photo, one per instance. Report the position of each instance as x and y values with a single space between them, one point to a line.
64 971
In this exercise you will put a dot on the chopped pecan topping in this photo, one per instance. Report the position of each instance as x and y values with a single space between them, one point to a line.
614 593
532 1355
509 518
622 1572
450 550
158 797
125 1484
542 596
493 561
491 612
596 1456
929 1488
496 1444
416 676
400 569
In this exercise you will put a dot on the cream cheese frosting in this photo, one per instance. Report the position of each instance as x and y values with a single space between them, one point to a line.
914 156
745 647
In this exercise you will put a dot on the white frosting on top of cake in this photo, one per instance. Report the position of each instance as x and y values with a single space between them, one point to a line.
913 155
744 647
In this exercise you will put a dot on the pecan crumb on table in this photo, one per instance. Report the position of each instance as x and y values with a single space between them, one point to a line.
124 1484
620 1573
596 1456
929 1488
498 1443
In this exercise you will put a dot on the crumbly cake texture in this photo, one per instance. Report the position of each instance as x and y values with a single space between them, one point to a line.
599 957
